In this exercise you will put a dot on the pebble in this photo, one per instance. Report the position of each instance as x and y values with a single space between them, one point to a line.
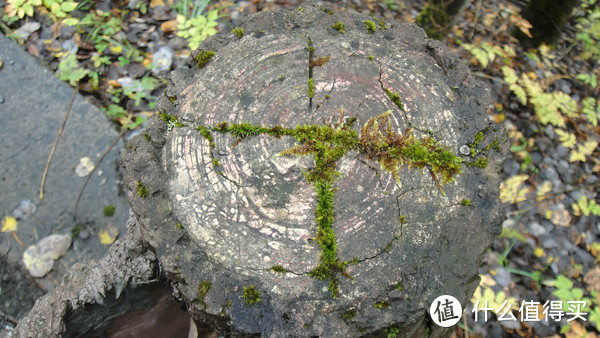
561 152
24 210
536 229
511 167
549 243
502 277
39 259
536 158
162 59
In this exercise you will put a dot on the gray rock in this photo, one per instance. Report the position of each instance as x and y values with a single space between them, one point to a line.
536 229
502 276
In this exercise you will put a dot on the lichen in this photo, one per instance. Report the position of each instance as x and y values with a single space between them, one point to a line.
203 57
370 26
251 295
203 289
142 191
339 26
238 31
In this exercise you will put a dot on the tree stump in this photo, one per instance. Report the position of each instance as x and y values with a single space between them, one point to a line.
319 174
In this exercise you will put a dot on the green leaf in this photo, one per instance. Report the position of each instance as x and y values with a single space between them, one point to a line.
68 6
591 109
70 21
509 75
562 282
519 93
567 139
577 293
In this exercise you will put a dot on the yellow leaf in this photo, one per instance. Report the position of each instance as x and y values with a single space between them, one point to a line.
567 139
116 49
108 235
582 150
510 192
9 223
543 189
539 252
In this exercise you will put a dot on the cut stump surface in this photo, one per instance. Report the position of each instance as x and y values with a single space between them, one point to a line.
307 182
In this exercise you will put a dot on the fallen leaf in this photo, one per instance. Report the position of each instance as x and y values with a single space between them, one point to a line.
592 279
154 3
108 235
9 224
169 26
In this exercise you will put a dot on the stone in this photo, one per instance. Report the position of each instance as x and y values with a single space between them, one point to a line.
237 221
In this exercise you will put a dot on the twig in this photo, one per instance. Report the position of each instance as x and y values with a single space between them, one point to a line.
18 240
94 169
55 143
477 10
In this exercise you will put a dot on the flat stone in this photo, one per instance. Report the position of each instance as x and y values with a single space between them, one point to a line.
34 106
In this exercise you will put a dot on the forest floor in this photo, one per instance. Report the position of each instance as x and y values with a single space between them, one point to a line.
543 269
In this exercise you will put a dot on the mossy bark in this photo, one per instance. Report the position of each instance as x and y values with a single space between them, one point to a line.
548 18
438 16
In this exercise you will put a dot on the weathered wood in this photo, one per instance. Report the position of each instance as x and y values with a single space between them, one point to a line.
229 212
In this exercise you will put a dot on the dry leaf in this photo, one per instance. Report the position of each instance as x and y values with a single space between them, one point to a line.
84 167
154 3
9 224
592 279
108 235
168 26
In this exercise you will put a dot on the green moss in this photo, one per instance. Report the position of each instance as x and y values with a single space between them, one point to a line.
301 9
109 210
75 230
328 145
327 96
172 99
466 202
382 24
392 332
311 88
203 57
348 314
339 26
142 191
395 98
478 138
434 20
370 26
147 137
251 295
371 57
278 268
215 162
170 120
400 287
402 219
495 144
203 289
206 133
481 162
382 305
238 31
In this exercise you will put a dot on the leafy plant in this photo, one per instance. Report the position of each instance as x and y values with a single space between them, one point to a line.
69 70
59 9
193 26
586 207
20 8
588 28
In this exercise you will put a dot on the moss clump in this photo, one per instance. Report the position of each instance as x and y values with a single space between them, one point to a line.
382 305
348 314
109 210
495 144
466 202
251 295
142 191
402 219
206 133
392 332
400 287
382 24
371 57
395 98
278 269
147 137
170 120
478 138
203 289
301 9
179 226
434 20
203 57
215 162
481 162
311 88
370 26
238 31
339 26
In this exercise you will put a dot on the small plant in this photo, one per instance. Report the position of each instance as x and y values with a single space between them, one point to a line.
251 295
69 71
142 191
193 26
370 26
339 26
20 8
239 32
